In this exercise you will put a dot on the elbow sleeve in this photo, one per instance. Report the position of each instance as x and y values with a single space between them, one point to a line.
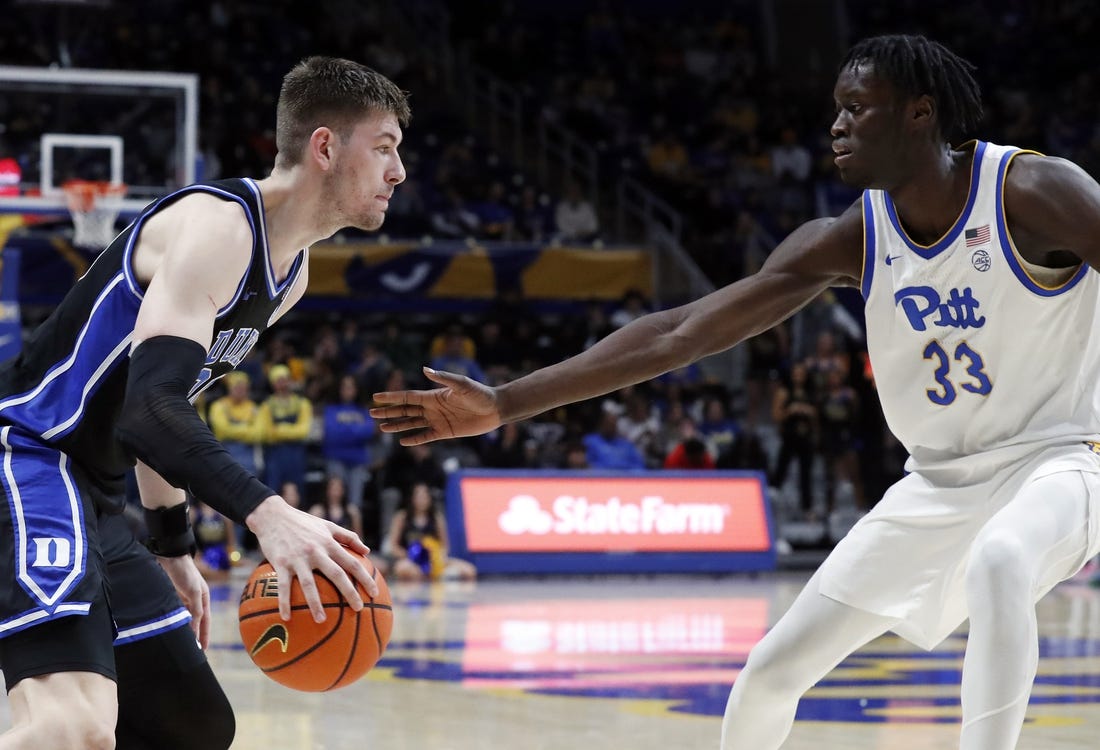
159 426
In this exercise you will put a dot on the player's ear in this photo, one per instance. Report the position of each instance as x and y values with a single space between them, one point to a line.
922 110
320 148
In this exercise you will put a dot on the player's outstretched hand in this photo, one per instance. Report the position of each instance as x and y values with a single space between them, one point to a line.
461 408
297 543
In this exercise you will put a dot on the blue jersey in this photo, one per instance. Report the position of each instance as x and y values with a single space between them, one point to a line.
67 386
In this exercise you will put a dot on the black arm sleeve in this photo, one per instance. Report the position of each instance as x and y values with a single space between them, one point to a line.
159 426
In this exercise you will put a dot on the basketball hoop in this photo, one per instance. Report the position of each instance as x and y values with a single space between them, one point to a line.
94 205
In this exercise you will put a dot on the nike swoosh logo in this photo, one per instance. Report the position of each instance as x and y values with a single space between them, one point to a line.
5 340
415 277
276 632
891 258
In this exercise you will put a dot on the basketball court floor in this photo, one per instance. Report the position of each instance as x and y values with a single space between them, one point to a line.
640 663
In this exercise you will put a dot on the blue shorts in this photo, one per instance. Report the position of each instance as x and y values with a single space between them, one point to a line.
74 581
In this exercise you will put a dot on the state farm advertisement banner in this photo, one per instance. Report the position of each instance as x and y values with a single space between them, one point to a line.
609 514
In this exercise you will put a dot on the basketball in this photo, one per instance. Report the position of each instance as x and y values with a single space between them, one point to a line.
307 655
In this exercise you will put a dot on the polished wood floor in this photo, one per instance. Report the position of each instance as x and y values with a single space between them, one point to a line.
643 664
640 663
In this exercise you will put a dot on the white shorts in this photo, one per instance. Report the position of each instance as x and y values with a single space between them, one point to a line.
907 558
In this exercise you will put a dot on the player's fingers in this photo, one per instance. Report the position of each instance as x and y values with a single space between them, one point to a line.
403 425
409 398
449 379
350 563
196 627
399 411
309 591
338 574
419 438
348 538
204 623
284 578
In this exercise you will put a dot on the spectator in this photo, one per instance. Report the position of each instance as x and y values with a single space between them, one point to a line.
717 428
795 412
454 217
668 158
495 353
595 326
632 307
496 220
215 540
839 410
534 216
400 349
641 425
338 508
373 367
235 421
692 453
418 541
286 418
348 431
576 457
825 361
507 447
790 159
455 358
282 352
404 468
291 493
768 352
607 449
747 453
575 218
324 367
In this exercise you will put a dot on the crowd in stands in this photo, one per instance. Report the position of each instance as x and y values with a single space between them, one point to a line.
458 187
686 99
296 413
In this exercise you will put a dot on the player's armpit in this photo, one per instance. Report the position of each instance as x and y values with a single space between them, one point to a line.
1052 207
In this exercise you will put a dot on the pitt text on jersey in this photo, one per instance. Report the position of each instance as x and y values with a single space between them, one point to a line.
923 304
960 310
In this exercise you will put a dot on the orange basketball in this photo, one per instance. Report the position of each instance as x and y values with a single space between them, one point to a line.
307 655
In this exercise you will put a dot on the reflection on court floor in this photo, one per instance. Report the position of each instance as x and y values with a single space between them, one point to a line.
644 663
673 647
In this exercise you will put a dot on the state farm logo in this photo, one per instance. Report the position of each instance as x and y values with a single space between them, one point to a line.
652 514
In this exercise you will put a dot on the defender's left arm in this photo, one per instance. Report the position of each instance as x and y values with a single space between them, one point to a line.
1053 211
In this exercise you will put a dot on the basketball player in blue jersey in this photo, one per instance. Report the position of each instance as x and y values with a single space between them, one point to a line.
173 303
977 263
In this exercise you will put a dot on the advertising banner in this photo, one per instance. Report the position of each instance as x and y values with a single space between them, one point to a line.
573 521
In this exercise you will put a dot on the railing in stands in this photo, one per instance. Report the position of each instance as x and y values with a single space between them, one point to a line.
557 156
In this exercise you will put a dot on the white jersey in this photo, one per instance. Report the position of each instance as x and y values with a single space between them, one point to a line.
975 352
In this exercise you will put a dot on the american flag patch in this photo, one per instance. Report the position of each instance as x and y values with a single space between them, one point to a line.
979 236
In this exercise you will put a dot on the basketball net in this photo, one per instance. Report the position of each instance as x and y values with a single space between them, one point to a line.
94 205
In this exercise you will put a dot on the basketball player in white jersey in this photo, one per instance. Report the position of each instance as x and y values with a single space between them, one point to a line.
977 263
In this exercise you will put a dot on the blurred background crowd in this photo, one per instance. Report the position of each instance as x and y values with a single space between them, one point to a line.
719 110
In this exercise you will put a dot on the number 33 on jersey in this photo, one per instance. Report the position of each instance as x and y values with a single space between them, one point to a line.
972 347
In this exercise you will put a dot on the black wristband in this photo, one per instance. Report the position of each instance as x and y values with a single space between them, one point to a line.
170 532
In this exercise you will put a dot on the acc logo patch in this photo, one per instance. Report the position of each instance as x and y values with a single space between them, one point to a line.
981 260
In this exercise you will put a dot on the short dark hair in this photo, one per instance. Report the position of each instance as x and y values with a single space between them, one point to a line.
335 93
917 66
